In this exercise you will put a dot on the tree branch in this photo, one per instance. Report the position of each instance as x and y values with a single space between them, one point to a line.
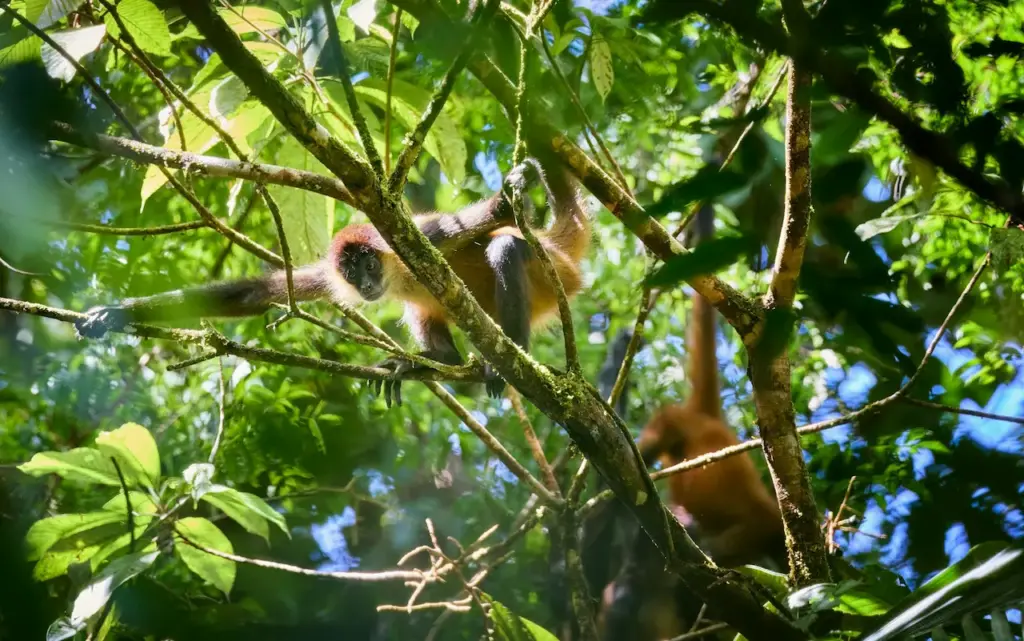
212 166
770 369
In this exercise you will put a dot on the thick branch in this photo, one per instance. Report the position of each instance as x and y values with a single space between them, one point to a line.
771 373
204 165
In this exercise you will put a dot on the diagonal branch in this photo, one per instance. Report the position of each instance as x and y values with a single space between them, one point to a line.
212 166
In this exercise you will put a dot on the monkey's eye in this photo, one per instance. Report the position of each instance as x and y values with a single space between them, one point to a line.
372 264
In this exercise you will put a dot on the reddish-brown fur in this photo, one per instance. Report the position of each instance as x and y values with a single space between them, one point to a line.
738 519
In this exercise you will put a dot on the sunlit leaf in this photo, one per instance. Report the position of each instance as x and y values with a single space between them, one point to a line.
25 50
62 629
707 185
362 13
220 572
45 13
878 226
77 43
250 19
83 464
601 71
308 217
145 23
135 450
509 626
95 595
45 533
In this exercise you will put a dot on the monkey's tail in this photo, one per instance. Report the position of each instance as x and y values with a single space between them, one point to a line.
700 339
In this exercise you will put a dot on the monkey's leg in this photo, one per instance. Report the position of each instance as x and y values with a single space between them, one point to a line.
507 255
439 345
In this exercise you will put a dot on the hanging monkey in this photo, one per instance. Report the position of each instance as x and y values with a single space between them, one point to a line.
480 242
737 521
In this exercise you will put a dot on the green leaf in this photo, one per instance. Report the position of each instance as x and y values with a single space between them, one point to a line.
346 29
142 504
443 142
135 450
145 24
250 19
706 258
82 464
601 71
220 572
707 185
95 595
25 50
308 217
45 533
511 627
777 582
77 43
252 522
878 226
253 503
44 13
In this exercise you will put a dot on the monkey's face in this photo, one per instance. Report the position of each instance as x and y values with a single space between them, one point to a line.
361 267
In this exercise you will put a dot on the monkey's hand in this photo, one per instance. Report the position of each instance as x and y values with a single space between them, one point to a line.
493 381
100 320
392 387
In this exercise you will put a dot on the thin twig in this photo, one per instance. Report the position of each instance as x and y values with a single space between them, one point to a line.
495 446
128 504
531 439
122 231
368 577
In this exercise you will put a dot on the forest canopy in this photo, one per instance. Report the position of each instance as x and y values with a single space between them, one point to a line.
778 397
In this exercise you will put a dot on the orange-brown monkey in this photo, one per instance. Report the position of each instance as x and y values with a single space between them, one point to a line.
737 520
490 256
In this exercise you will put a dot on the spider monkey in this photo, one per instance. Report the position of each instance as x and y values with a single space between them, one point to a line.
480 242
725 506
737 521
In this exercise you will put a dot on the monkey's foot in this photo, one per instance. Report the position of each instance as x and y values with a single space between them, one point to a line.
100 320
493 381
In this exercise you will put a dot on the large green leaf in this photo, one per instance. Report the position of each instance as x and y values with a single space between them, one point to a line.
83 464
145 23
135 450
25 50
990 576
601 71
77 43
95 595
308 217
249 510
443 142
706 258
45 13
220 572
45 533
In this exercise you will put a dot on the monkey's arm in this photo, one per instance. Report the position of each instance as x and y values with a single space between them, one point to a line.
249 297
